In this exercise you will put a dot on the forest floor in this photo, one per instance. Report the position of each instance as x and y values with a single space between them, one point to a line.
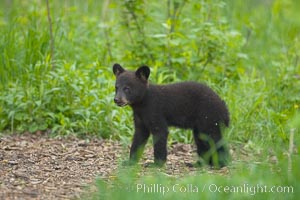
36 166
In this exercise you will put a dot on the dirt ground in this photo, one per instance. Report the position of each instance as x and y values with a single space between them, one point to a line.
40 167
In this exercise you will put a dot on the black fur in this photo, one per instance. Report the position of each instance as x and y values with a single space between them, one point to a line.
187 105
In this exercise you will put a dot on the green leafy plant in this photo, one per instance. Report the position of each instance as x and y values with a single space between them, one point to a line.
249 58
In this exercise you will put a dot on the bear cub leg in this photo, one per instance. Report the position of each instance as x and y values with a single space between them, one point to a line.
211 148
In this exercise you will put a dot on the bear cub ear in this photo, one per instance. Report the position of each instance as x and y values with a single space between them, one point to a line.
143 73
118 69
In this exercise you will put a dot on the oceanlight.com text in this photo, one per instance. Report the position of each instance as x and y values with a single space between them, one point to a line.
249 189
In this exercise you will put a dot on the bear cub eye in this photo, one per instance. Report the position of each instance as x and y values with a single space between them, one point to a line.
126 89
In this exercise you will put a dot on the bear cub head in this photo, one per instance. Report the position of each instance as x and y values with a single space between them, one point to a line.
131 86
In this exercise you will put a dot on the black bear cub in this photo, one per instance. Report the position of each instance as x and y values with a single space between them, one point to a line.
187 105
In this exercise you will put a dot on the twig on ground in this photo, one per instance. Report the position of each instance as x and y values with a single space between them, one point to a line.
291 147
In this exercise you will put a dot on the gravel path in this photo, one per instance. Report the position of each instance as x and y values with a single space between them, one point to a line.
40 167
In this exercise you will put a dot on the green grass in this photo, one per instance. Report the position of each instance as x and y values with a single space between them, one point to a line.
245 181
247 51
